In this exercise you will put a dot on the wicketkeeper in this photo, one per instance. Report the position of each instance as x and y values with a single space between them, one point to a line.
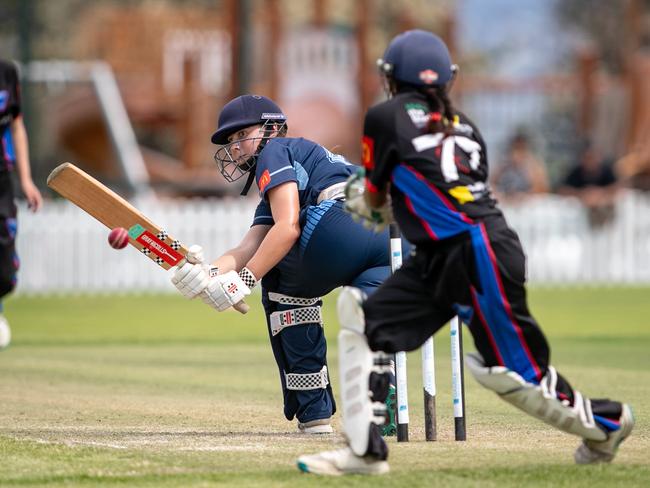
431 160
301 245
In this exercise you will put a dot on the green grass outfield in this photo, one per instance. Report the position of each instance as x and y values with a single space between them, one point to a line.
156 391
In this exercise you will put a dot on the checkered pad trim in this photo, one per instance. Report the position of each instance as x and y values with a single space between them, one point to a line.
146 250
162 235
295 316
248 277
307 381
287 300
176 245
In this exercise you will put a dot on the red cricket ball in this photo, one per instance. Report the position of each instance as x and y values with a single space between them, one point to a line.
118 238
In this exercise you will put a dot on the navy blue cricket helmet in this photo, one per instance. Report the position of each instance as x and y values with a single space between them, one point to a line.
419 58
245 111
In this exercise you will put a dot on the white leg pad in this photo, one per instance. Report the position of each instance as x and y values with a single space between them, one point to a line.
541 400
349 309
356 362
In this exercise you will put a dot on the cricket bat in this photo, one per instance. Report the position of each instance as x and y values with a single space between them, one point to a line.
113 211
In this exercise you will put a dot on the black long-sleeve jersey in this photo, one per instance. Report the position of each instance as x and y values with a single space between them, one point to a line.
438 184
9 111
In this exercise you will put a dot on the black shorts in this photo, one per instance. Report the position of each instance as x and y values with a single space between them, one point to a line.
479 276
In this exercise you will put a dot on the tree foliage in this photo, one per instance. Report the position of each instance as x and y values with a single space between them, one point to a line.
605 25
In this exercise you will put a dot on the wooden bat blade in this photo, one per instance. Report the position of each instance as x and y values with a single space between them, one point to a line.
112 210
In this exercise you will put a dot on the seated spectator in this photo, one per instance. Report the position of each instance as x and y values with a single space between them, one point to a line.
522 173
594 182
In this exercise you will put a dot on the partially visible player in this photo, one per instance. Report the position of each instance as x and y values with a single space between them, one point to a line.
431 160
301 245
14 154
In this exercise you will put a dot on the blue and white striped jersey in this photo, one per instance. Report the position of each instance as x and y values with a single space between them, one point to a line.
310 165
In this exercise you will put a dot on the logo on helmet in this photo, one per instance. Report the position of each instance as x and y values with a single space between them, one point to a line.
428 76
273 116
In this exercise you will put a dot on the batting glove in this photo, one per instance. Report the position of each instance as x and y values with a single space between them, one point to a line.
193 276
376 219
225 291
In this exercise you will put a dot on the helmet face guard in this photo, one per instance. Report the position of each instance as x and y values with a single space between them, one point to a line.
233 167
233 163
238 114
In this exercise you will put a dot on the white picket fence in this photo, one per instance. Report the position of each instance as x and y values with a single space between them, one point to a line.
63 250
562 248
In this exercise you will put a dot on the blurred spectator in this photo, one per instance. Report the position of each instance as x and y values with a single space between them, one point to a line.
594 182
14 156
522 173
634 169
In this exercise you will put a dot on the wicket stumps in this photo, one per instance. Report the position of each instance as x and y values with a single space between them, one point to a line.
428 372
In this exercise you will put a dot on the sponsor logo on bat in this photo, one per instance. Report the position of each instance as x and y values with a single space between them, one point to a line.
136 231
159 248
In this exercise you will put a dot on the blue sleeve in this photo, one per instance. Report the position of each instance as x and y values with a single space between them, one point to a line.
274 167
263 215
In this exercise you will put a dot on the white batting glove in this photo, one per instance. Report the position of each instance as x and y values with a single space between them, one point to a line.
193 277
376 219
225 291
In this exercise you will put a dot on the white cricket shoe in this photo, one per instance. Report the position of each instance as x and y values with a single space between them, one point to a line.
592 452
5 333
339 462
318 426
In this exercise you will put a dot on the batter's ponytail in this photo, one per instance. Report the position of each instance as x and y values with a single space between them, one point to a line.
442 112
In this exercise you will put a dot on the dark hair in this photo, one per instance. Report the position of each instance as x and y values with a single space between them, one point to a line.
442 111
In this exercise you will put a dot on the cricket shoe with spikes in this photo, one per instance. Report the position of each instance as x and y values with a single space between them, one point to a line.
592 452
340 462
319 426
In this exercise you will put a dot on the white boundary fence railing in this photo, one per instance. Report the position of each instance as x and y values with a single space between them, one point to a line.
562 247
63 250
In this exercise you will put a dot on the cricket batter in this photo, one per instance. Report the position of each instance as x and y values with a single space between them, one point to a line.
301 245
431 161
14 154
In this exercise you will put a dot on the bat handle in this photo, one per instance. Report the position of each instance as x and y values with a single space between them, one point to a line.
195 254
241 307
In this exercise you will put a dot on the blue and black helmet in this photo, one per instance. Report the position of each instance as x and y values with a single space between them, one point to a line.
240 113
245 111
418 58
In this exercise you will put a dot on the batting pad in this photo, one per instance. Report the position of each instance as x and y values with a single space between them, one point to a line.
541 400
